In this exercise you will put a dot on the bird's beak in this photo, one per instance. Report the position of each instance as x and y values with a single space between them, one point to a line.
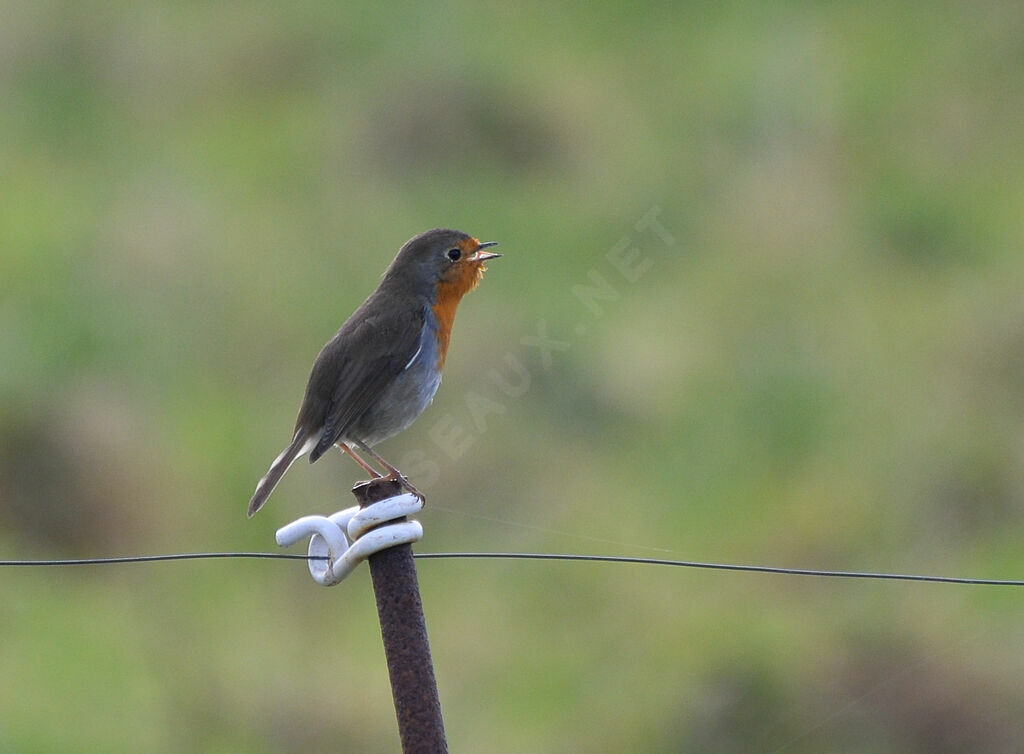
480 255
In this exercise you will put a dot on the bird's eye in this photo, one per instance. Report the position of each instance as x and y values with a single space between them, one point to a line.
455 254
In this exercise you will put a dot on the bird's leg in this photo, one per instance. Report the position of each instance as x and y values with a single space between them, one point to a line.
395 473
366 467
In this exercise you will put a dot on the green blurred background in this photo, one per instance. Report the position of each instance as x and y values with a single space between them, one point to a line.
815 358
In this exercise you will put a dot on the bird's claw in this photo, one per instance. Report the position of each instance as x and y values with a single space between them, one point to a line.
403 480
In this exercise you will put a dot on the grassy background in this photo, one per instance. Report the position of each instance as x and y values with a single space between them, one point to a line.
816 359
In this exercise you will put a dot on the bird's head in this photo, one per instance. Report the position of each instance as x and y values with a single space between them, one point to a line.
442 262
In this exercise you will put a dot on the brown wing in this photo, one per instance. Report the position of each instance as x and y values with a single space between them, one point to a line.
354 369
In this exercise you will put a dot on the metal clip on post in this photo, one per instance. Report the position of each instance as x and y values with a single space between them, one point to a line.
378 532
340 542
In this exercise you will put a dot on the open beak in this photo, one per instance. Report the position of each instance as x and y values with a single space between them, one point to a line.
480 255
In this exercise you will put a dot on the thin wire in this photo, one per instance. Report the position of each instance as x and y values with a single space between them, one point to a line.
724 567
155 558
535 556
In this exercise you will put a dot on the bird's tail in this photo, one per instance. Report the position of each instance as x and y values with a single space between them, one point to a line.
300 445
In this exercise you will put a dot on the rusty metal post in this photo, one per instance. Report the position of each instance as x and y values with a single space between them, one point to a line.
404 630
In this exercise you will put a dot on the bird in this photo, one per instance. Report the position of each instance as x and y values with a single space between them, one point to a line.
382 368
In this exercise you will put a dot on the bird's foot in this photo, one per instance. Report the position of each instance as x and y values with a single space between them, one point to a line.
394 474
401 478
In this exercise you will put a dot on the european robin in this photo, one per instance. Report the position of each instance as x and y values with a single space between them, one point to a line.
382 368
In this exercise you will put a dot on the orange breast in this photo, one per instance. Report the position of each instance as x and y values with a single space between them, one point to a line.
460 280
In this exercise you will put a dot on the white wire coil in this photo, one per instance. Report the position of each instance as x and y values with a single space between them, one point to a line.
340 542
